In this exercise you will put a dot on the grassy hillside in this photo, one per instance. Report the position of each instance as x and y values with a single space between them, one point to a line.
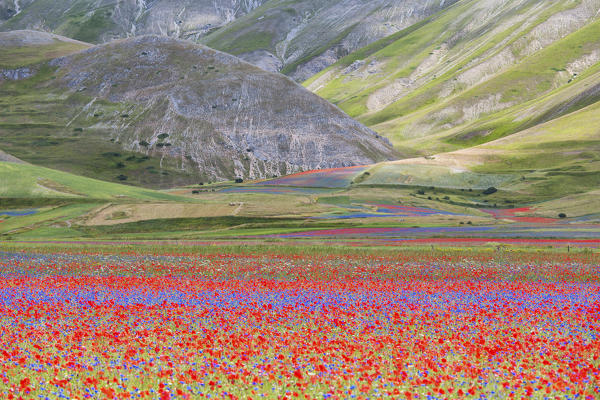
548 161
461 78
51 204
24 48
29 181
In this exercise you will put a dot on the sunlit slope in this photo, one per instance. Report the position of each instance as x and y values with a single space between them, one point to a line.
23 48
550 160
301 37
452 81
29 181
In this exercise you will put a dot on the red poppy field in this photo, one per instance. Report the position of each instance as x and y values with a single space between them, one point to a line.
410 325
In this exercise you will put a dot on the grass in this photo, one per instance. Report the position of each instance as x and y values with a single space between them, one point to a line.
248 42
15 57
290 68
33 182
413 122
438 176
287 247
88 27
189 224
38 125
82 20
47 223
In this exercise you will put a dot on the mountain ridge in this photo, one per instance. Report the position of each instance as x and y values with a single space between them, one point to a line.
455 77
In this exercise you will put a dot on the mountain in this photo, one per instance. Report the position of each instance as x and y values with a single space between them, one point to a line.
159 112
300 38
99 21
475 72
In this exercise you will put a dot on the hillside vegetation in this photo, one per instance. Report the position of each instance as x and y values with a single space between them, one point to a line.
555 159
29 181
301 37
473 73
27 48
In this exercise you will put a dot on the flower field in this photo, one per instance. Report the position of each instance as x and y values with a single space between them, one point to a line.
412 325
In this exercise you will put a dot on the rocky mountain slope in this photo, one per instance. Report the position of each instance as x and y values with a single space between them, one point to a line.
160 111
473 73
300 38
98 21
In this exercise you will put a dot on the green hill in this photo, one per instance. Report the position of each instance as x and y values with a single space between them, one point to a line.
25 48
98 21
554 159
473 73
25 181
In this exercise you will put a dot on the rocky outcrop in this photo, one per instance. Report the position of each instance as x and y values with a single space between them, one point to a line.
5 157
16 74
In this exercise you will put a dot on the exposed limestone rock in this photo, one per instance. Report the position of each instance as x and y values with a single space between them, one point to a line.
16 74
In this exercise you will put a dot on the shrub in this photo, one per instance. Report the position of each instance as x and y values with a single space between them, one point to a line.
239 180
490 190
562 215
122 177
